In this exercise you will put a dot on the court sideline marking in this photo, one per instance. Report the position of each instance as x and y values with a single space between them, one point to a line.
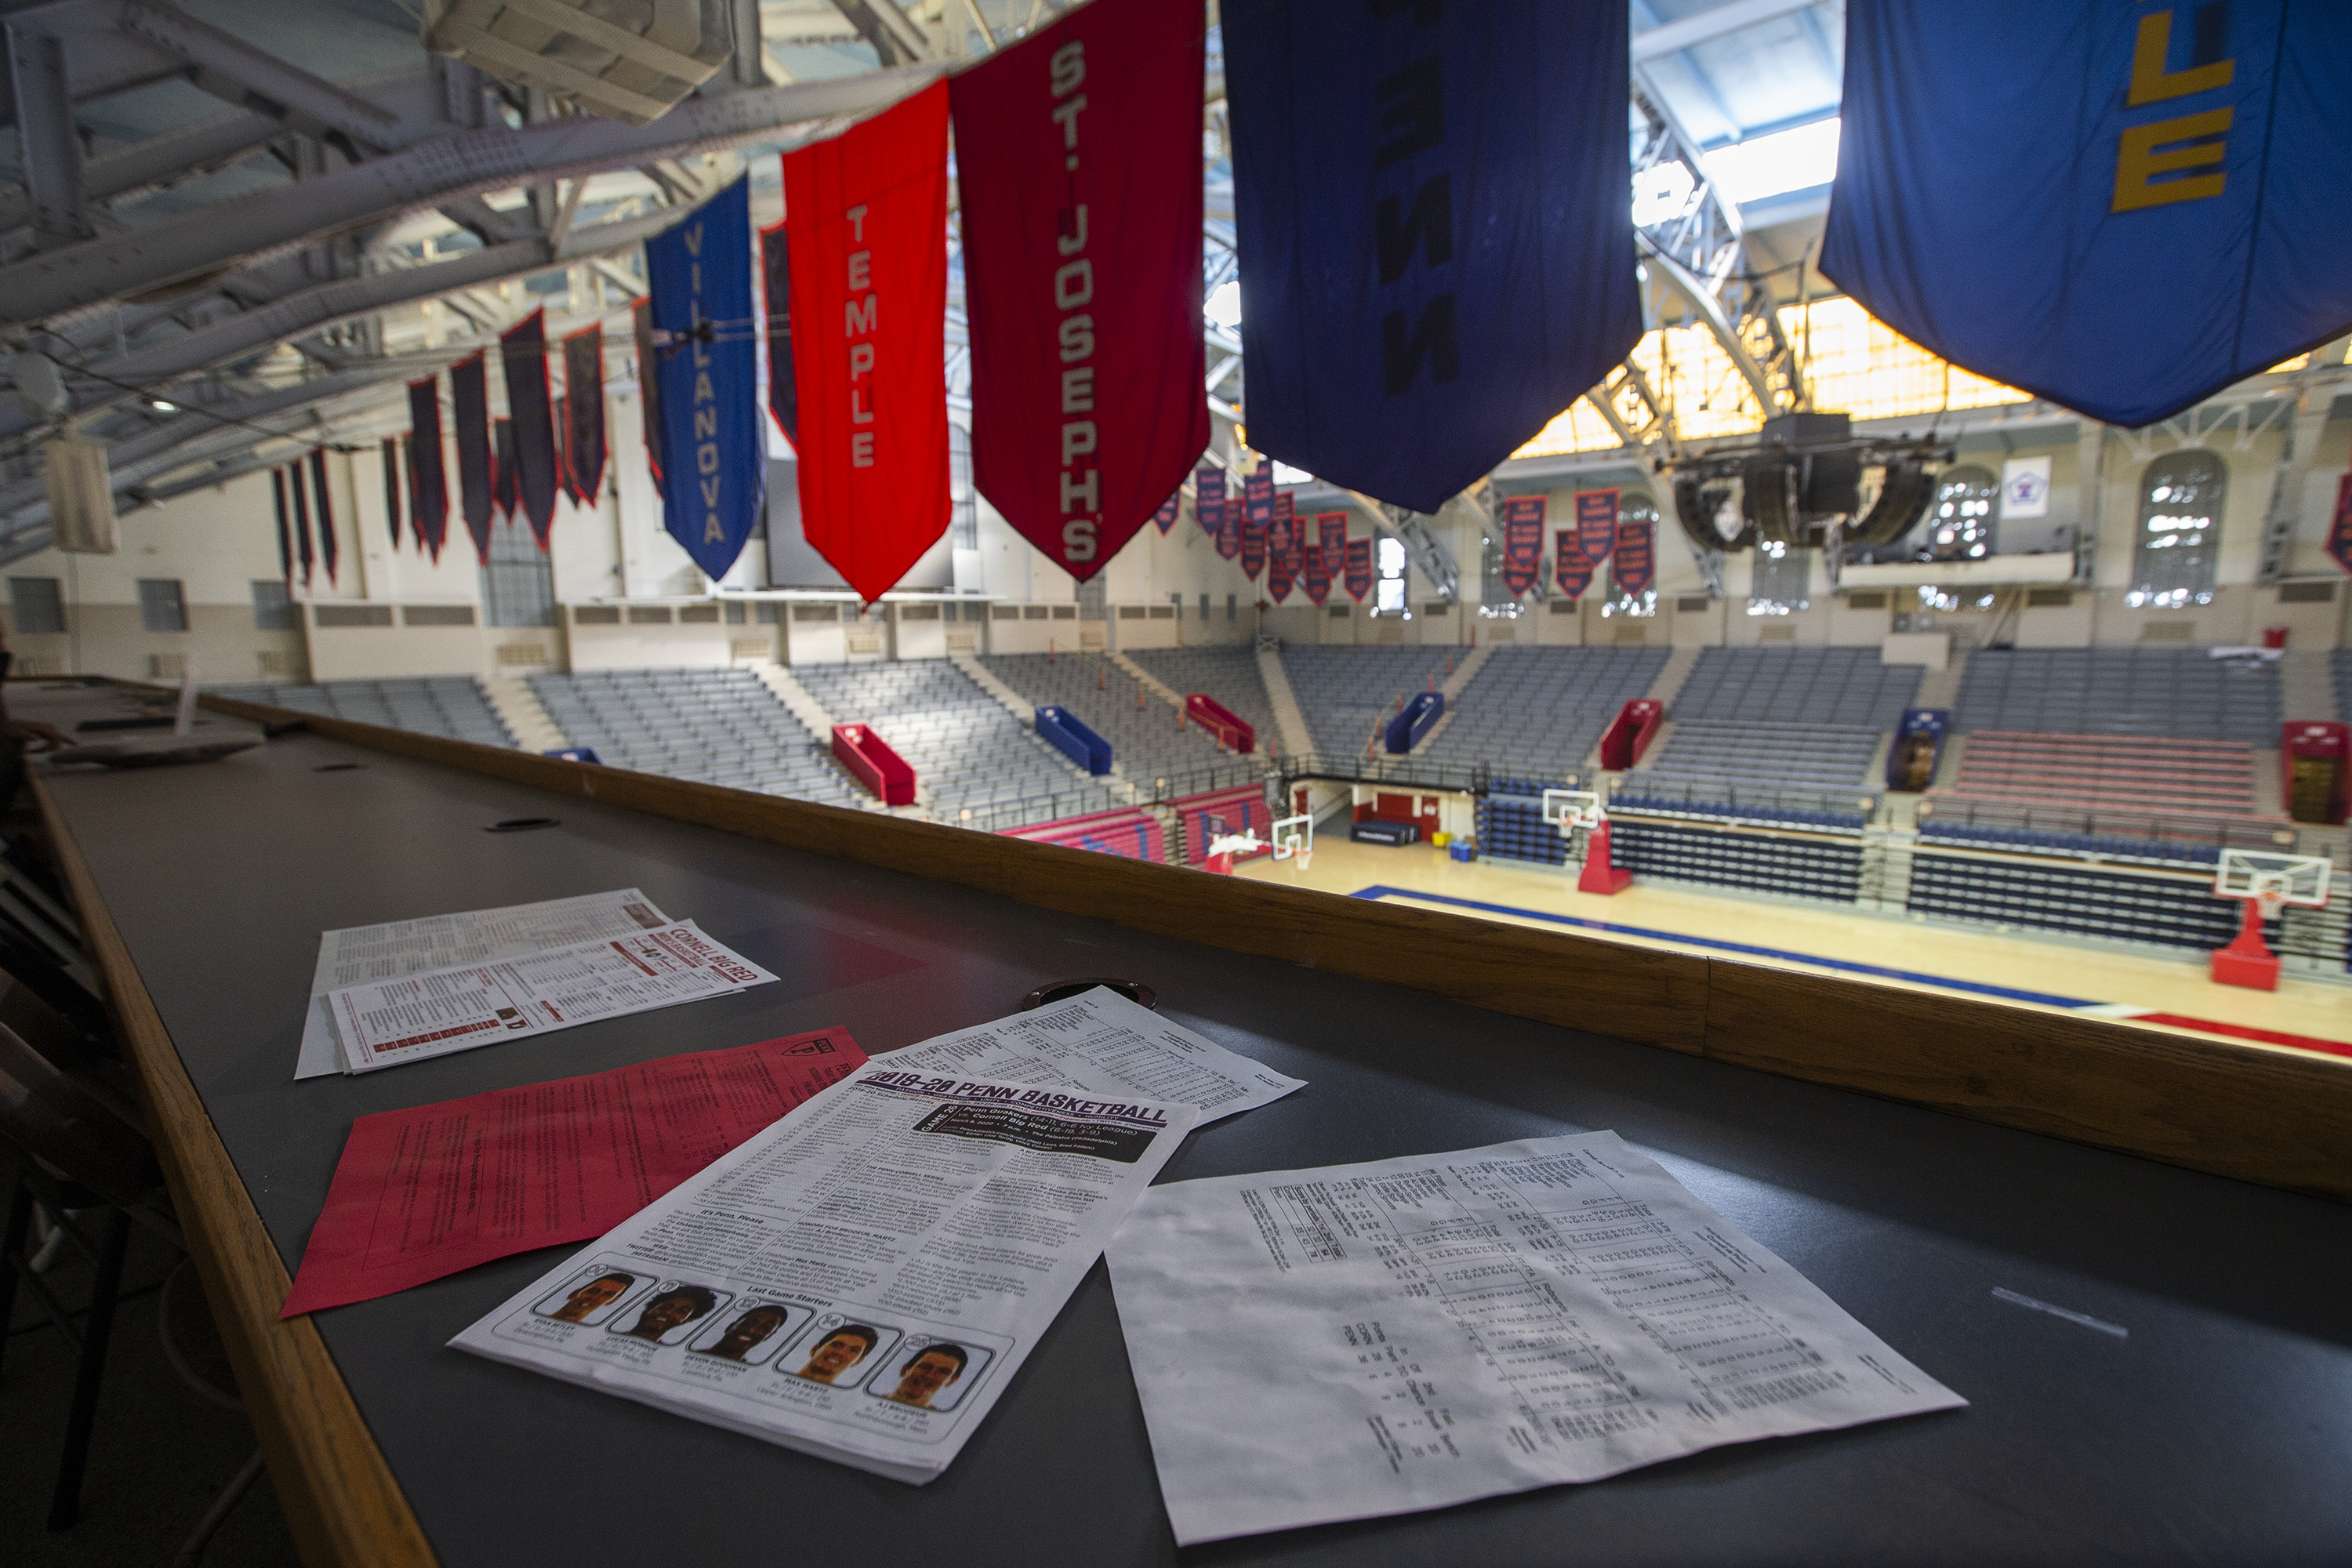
1379 891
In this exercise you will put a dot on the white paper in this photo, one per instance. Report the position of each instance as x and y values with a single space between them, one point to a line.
361 953
1101 1042
902 1222
392 1022
1378 1339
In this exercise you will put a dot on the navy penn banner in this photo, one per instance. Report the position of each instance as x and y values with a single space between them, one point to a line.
538 478
284 530
1209 498
641 327
1229 530
1318 573
1253 546
1165 518
776 273
1331 533
1596 524
1635 569
707 365
1435 226
503 494
1572 569
301 520
478 479
1281 532
2120 209
583 413
392 488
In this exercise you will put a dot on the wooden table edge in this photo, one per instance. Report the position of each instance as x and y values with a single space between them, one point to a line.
339 1496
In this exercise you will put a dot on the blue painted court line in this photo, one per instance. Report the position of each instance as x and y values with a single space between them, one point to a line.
1882 972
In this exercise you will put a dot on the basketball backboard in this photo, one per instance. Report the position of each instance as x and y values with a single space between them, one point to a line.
1568 810
2274 878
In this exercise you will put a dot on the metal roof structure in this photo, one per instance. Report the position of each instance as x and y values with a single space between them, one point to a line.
237 225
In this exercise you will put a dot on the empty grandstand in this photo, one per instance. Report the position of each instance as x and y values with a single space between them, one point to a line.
1347 693
451 706
1537 712
1228 674
1849 687
1148 742
968 751
714 726
2181 694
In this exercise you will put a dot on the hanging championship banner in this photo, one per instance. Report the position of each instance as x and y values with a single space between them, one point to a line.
523 354
1257 516
715 479
1331 533
1360 569
502 468
1634 567
1962 222
1572 569
1078 160
329 548
562 455
1167 514
1209 498
428 484
1229 530
641 323
583 413
1596 523
1281 573
1435 226
776 274
1281 531
1253 547
2339 531
1318 573
285 529
470 414
392 487
1523 525
302 548
869 238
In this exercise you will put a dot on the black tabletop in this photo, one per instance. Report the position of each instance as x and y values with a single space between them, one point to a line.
2218 1430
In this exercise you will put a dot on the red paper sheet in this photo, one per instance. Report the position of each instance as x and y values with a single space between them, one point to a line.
425 1193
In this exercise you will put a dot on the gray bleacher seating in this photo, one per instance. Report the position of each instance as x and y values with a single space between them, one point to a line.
713 726
968 751
2343 661
1537 712
1146 742
1809 768
2182 693
452 706
1227 674
1847 687
1347 693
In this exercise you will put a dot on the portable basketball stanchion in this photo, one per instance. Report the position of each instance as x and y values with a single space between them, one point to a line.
2264 881
1569 809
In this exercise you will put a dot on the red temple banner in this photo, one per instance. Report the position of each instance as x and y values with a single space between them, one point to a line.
867 232
1078 160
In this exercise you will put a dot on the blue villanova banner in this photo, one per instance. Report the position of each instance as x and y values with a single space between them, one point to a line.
1435 229
705 366
2121 207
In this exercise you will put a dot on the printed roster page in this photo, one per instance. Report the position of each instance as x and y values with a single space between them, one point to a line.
1378 1339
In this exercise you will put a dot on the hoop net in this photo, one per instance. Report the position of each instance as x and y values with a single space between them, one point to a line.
1569 809
2273 878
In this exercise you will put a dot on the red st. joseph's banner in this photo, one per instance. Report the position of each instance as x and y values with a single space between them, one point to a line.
1078 153
868 234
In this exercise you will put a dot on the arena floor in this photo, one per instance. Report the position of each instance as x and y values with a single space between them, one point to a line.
2029 971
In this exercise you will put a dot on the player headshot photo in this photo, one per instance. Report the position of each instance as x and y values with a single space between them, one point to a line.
590 1298
669 1310
839 1351
751 1328
927 1374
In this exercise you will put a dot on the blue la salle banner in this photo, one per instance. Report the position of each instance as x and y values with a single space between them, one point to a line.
707 369
1435 229
2121 207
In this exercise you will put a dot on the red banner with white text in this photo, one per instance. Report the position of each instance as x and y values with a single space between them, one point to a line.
867 235
1078 160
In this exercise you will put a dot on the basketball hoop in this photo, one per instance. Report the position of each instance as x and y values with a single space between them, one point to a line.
1569 809
2264 881
1295 836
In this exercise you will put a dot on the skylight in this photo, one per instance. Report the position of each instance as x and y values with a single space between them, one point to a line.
1793 159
